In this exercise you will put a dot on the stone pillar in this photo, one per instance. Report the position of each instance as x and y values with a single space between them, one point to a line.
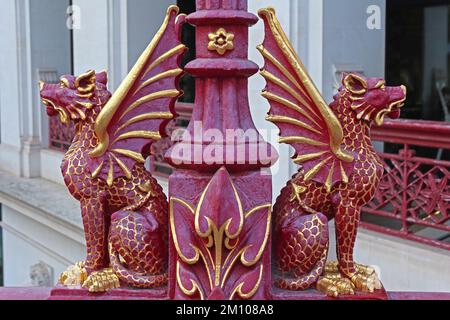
9 88
220 194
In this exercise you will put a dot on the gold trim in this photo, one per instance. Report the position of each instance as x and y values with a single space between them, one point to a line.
122 166
252 292
80 112
311 173
98 170
110 178
108 112
221 41
63 82
130 154
185 259
302 140
348 86
151 97
289 104
292 121
205 262
336 134
250 263
297 191
343 174
266 54
195 286
139 134
280 83
86 105
329 181
146 116
216 237
166 55
160 76
307 157
90 87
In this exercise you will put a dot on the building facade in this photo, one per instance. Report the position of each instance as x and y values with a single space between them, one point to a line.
42 40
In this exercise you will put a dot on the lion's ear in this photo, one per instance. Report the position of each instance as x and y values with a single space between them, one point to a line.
354 83
102 77
85 83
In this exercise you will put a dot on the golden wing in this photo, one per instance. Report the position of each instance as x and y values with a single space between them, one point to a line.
305 120
138 112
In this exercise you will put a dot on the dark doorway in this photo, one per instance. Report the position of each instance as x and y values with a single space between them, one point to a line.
418 55
187 83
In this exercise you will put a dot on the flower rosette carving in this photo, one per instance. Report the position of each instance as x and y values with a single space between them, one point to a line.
219 258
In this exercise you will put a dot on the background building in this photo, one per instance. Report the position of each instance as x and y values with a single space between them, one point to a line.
406 41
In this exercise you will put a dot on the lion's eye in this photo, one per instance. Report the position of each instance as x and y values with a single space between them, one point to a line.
381 85
64 83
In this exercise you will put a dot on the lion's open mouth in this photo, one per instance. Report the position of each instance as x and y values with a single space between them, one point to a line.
53 109
393 111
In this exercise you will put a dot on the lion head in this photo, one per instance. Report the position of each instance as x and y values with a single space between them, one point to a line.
75 98
372 100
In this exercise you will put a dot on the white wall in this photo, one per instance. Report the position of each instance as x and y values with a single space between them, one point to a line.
50 50
91 38
143 19
9 95
348 42
27 242
10 92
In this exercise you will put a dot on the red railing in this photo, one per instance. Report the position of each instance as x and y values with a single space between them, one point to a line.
413 199
60 136
158 165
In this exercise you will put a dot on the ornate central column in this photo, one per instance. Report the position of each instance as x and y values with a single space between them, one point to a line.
220 198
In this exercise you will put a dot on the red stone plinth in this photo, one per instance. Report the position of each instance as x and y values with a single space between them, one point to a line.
312 294
64 293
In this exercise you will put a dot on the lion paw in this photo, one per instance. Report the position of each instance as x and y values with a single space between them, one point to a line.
334 286
101 281
74 276
366 279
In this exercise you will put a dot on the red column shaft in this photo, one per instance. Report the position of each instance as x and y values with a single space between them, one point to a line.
220 202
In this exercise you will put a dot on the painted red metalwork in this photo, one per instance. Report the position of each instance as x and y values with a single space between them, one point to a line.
339 168
414 191
219 200
124 210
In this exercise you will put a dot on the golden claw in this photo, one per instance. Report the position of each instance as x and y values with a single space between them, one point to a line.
335 286
102 281
75 275
333 283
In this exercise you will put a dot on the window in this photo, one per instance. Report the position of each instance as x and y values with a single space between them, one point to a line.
60 136
418 55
